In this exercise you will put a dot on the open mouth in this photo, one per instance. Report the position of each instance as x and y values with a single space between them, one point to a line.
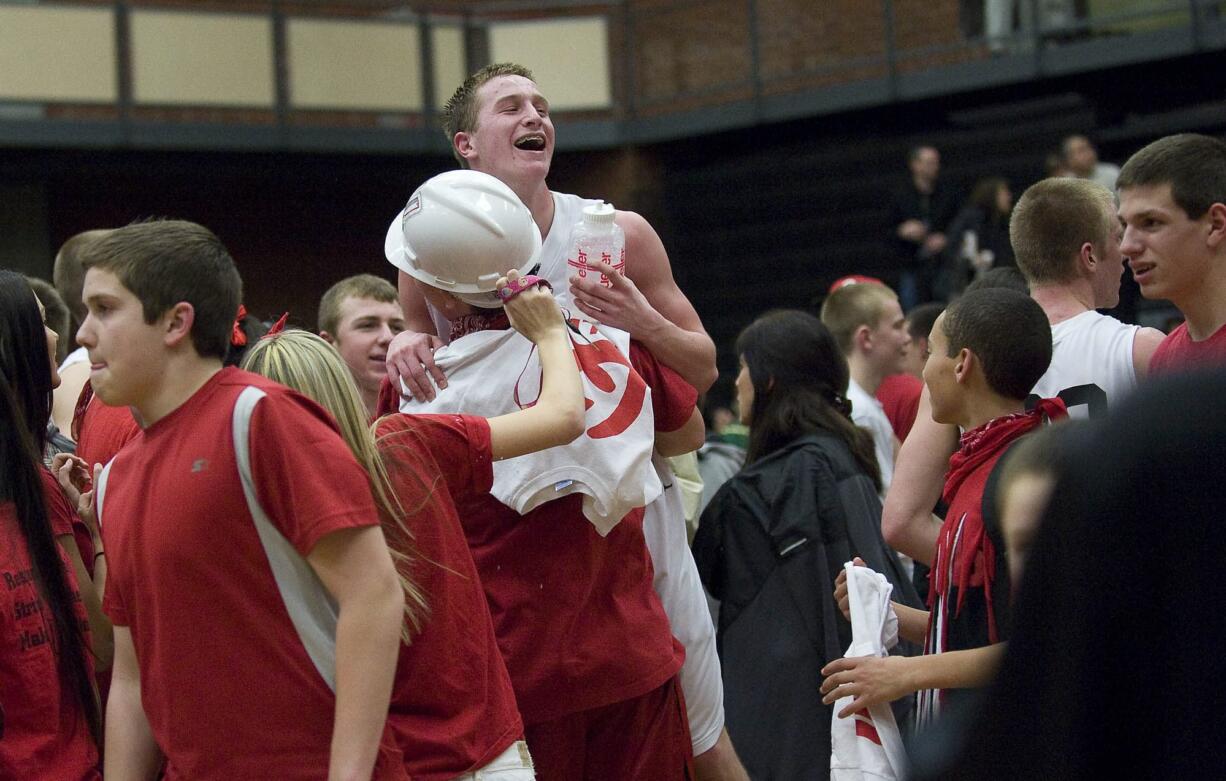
1140 269
534 142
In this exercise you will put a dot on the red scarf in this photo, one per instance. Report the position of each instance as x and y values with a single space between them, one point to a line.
978 446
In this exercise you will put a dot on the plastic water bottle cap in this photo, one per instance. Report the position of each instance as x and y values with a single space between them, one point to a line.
601 214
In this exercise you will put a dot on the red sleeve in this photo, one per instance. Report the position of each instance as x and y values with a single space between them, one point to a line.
60 514
672 398
459 445
306 478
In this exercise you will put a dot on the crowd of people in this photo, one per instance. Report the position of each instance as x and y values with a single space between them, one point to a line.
458 531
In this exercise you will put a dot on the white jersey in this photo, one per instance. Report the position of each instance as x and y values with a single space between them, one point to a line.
867 413
867 746
492 373
677 584
1091 364
78 355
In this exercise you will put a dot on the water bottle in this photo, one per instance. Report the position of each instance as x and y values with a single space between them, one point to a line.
596 237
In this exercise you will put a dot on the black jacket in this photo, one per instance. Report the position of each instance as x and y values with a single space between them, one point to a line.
769 547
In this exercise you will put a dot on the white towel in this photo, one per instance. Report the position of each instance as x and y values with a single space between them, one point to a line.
867 746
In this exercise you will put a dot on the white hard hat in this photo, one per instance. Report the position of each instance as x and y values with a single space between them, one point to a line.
460 232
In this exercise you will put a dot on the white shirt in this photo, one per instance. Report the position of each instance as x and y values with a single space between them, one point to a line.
78 355
1091 364
868 413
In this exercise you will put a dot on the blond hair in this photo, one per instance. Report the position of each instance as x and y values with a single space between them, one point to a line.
1051 222
363 286
460 113
308 364
852 306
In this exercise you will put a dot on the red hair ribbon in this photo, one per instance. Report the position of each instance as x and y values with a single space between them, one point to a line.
278 326
237 337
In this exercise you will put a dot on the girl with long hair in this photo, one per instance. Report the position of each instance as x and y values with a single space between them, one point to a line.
54 630
773 539
453 711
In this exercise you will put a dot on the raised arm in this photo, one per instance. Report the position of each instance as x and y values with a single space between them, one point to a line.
131 753
907 522
557 416
647 303
355 567
410 355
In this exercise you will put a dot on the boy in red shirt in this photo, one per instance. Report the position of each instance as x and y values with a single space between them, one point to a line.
210 669
1173 207
986 352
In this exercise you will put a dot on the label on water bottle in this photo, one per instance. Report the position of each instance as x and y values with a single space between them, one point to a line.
583 266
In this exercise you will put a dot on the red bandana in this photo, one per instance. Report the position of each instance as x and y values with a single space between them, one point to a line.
977 447
489 320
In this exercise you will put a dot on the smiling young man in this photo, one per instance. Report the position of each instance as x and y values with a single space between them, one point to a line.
867 322
498 122
1173 208
360 316
210 669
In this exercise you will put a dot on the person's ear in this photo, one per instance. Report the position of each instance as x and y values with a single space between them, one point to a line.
964 364
1217 225
862 338
463 143
327 337
1087 257
177 323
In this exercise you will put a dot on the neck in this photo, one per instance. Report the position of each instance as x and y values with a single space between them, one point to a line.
536 196
864 373
923 184
1062 302
370 399
988 406
181 378
1205 310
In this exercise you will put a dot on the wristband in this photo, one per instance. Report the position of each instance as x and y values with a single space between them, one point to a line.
518 286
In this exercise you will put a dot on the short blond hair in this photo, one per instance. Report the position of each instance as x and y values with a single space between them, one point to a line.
852 306
359 286
460 113
1051 222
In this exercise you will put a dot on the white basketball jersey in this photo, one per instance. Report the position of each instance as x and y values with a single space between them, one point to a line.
1091 364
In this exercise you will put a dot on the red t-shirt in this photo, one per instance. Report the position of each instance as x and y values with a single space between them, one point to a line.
453 709
1178 352
45 734
899 395
227 686
103 431
576 617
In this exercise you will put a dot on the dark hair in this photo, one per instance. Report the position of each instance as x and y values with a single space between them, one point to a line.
68 274
1193 165
983 198
1007 277
921 318
799 378
1009 334
59 319
164 262
25 407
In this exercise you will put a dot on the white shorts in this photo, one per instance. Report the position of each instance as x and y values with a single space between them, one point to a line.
514 764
